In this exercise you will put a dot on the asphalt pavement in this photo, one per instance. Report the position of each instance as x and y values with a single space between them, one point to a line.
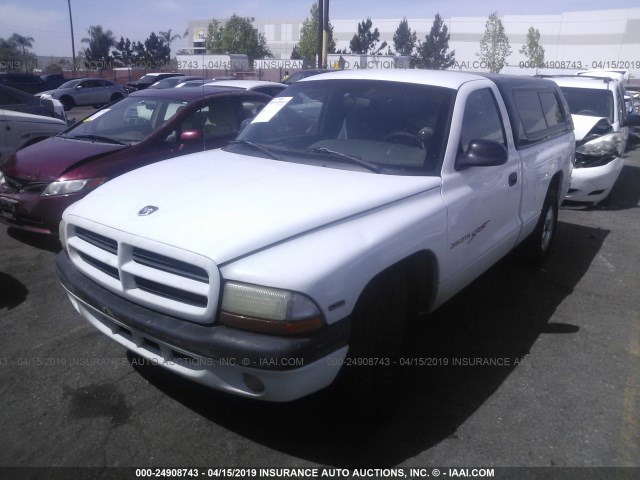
526 367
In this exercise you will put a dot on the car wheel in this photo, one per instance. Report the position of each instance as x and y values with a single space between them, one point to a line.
67 103
535 249
115 96
377 338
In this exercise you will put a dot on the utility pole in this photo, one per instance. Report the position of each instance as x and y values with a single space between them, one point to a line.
73 45
325 35
320 31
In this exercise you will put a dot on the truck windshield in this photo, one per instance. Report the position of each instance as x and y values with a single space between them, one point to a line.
589 101
380 126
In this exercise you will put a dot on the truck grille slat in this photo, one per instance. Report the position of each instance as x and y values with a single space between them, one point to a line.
170 265
171 293
103 267
97 240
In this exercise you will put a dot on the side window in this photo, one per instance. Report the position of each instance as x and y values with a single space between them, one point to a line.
214 120
551 108
482 120
530 112
252 107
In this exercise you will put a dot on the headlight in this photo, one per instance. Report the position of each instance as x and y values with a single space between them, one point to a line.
268 310
603 146
2 181
71 186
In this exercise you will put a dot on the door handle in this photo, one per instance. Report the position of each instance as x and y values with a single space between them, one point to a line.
513 179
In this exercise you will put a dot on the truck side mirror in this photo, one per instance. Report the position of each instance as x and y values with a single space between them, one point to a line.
482 153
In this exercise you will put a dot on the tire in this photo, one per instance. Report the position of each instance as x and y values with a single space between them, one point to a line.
535 249
67 103
377 338
114 97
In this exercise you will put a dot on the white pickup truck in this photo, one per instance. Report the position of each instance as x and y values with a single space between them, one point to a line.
352 201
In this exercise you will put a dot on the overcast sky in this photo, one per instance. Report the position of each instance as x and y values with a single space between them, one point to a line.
47 21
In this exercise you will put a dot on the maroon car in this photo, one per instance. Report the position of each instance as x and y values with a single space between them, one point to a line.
40 181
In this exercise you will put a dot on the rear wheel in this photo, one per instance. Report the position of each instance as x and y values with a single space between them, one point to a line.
114 97
377 339
535 249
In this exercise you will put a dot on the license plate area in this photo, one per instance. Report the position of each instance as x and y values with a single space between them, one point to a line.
8 208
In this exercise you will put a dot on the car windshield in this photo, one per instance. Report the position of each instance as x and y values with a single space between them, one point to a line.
69 84
589 101
128 121
387 127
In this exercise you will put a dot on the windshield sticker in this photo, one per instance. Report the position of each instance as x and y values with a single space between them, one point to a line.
469 236
273 107
96 115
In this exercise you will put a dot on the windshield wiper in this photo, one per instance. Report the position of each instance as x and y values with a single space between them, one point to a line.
256 147
98 138
351 158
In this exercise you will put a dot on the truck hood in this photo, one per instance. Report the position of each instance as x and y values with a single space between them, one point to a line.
583 124
45 161
225 205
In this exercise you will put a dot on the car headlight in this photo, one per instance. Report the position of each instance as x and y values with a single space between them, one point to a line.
603 146
64 187
268 310
2 180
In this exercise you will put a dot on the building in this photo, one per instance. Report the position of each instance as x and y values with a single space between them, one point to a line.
579 39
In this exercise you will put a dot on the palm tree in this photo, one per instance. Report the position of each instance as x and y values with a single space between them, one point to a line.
168 38
22 42
100 43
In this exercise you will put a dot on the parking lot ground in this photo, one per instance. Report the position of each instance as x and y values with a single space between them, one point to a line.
526 367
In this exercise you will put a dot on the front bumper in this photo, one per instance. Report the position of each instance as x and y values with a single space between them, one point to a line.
593 184
244 363
34 213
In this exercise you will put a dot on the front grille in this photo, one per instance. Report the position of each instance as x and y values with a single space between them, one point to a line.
20 185
156 276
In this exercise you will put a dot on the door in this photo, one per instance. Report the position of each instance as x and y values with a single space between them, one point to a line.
482 202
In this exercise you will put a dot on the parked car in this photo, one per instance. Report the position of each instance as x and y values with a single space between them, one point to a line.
86 91
268 88
602 123
26 82
149 79
172 82
300 251
19 101
19 130
191 83
39 182
53 80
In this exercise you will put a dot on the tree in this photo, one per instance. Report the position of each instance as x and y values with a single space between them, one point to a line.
404 40
22 42
365 42
100 43
156 53
308 45
124 53
533 50
432 54
295 53
494 45
168 38
237 35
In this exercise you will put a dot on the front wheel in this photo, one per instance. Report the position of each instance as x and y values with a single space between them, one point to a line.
377 338
535 249
67 103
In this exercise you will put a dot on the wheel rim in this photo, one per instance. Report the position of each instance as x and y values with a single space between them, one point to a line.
547 229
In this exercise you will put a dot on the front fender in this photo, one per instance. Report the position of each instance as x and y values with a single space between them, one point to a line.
333 264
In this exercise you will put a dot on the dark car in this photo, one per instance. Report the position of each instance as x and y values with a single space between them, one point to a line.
40 181
19 101
53 80
149 79
23 81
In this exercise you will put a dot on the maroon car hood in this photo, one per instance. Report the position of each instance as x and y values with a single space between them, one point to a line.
47 160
